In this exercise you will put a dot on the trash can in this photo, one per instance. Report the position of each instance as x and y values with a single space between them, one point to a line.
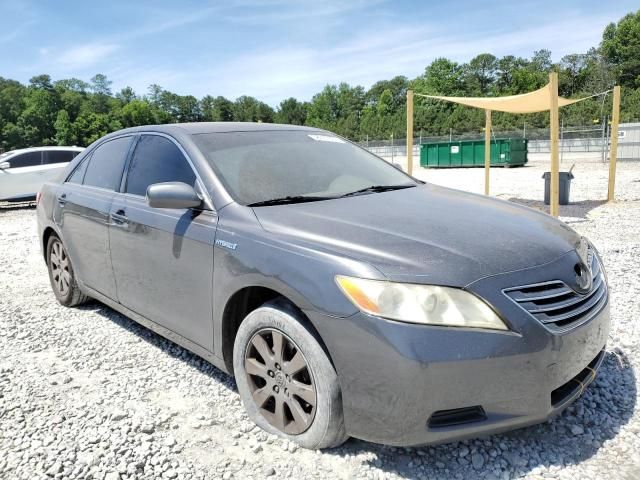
565 187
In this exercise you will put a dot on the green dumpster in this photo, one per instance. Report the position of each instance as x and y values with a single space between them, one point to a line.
505 152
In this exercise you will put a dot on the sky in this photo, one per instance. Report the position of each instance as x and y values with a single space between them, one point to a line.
275 49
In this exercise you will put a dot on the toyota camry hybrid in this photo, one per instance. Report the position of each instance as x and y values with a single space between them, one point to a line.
346 297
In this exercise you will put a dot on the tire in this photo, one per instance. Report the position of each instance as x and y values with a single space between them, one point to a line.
63 281
324 425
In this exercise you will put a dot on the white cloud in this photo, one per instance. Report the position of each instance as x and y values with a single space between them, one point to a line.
86 55
11 32
168 21
298 46
288 11
18 18
372 55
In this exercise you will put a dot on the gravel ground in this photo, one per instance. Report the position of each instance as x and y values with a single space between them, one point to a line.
87 393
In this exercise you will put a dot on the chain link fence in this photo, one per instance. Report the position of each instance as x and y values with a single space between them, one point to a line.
593 140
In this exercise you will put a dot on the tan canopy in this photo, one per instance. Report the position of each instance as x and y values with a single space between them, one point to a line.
536 101
541 100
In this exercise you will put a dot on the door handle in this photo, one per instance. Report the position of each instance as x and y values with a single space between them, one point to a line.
119 218
62 199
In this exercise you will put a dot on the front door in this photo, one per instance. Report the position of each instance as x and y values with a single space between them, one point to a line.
163 258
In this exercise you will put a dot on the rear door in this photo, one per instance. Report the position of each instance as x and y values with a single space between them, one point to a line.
82 213
23 178
163 258
53 162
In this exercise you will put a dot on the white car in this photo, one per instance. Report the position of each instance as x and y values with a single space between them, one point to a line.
22 172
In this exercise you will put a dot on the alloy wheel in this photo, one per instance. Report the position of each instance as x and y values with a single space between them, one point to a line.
60 268
281 381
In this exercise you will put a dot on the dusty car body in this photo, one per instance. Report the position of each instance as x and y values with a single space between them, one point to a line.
422 314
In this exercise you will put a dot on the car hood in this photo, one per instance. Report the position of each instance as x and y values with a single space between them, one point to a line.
426 234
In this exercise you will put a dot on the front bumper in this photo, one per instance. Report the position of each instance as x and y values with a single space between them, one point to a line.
395 376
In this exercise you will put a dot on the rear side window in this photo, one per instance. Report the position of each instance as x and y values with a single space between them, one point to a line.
58 156
107 163
78 173
28 159
157 159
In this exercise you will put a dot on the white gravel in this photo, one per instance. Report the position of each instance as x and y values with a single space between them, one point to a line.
87 393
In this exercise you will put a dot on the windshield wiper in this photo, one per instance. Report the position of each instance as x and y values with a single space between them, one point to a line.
288 199
314 198
378 188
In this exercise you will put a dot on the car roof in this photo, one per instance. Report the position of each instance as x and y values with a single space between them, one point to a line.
196 128
39 149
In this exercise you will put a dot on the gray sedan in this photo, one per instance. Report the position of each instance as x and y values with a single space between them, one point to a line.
347 298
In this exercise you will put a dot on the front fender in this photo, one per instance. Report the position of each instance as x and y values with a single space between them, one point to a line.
247 256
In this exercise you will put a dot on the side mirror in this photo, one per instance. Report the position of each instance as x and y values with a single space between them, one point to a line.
398 166
5 165
172 195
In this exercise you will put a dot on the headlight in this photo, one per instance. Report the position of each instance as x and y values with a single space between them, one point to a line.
427 304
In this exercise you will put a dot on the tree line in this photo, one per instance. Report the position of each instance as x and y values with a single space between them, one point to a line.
75 112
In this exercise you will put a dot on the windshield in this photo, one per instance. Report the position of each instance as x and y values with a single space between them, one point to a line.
266 165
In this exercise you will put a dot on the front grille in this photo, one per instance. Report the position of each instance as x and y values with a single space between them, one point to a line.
557 306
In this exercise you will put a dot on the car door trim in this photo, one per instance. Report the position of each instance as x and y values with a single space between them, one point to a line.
157 328
165 213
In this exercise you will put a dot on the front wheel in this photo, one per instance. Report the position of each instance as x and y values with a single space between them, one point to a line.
285 379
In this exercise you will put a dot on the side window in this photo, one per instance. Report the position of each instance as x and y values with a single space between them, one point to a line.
28 159
58 156
107 163
157 159
78 173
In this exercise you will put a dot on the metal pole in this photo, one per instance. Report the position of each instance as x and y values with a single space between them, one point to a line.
524 130
607 135
410 132
391 147
562 140
450 134
613 154
487 150
604 148
555 167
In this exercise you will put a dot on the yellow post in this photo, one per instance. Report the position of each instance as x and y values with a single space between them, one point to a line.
555 161
613 155
410 132
487 150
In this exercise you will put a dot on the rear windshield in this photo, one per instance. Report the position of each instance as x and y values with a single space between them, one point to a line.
265 165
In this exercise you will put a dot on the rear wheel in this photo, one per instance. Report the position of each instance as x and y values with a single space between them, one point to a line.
63 280
285 379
